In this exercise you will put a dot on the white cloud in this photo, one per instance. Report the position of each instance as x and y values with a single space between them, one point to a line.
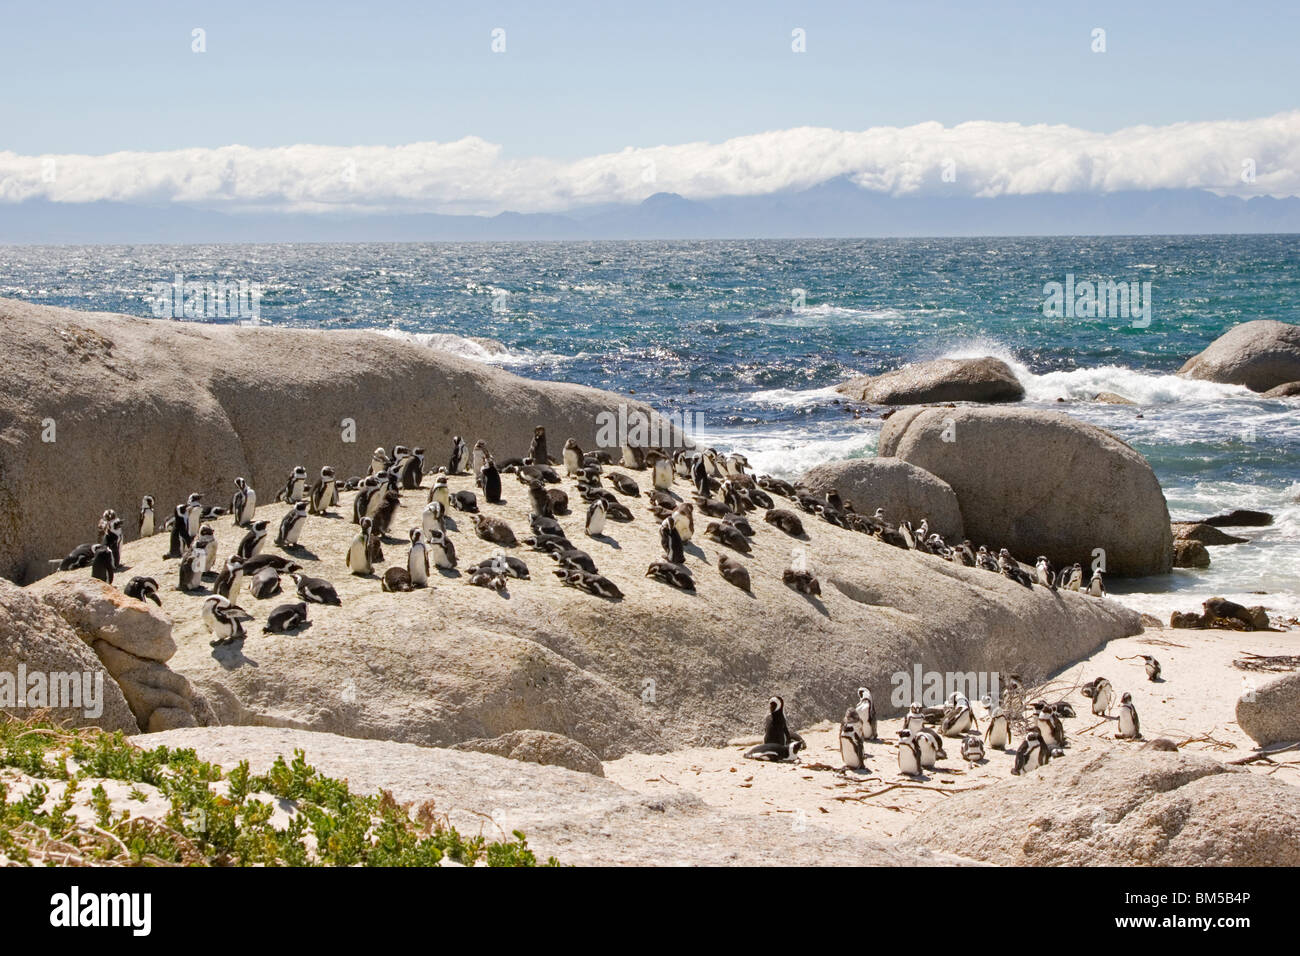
471 175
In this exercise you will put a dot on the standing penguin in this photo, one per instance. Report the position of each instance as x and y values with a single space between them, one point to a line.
972 749
291 525
851 742
358 559
250 546
539 499
866 708
295 489
1152 668
684 521
459 456
1102 695
378 461
433 516
231 579
191 571
441 550
958 716
596 517
193 514
102 565
931 747
1074 578
439 492
325 493
998 732
489 479
206 544
147 517
1129 726
1050 728
914 719
671 542
478 456
909 754
1044 574
1032 754
224 619
779 741
572 458
1096 587
537 449
243 504
662 473
417 560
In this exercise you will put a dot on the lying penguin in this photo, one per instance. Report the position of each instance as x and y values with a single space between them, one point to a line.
779 741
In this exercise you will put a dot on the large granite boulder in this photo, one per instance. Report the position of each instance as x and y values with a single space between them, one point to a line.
985 379
1260 355
539 746
1040 482
1122 808
36 644
129 407
902 489
1270 713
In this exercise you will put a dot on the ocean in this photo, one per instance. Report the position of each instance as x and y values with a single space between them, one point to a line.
750 337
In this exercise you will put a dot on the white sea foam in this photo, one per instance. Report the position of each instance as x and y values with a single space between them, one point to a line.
788 454
476 349
789 397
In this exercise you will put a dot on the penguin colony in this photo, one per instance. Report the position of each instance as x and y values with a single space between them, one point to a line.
722 495
920 740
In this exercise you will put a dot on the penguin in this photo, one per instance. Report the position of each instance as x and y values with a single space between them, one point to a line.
909 755
286 618
325 493
206 543
1102 694
277 562
143 589
1031 754
191 571
684 521
998 732
662 473
572 458
733 572
113 541
1096 587
102 564
700 476
378 462
264 583
489 479
779 741
676 575
252 543
537 447
433 517
410 470
193 514
1152 668
465 501
972 749
295 489
624 484
316 590
1012 569
459 456
930 746
487 578
914 719
509 565
1129 726
494 530
396 580
231 579
866 711
243 504
591 582
478 456
1050 728
382 520
358 557
958 717
727 534
596 517
147 517
804 582
851 742
787 521
671 542
985 560
441 549
368 489
417 560
1044 574
224 619
180 534
291 525
1074 581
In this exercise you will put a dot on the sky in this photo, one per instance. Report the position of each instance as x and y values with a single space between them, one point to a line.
889 91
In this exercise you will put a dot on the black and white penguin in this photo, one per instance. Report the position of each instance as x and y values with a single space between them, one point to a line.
972 749
914 719
243 504
478 457
102 564
250 546
1096 587
358 556
113 541
147 524
537 447
671 542
434 516
851 741
866 711
733 572
1152 668
1074 578
779 741
596 513
231 579
378 462
459 461
985 560
661 474
265 583
291 525
316 590
193 514
727 534
1010 567
206 542
489 479
295 489
181 538
1044 574
224 619
572 458
931 747
909 754
439 491
1050 728
417 560
190 573
591 582
465 501
684 521
998 732
1102 695
396 580
958 718
1032 753
507 564
441 550
486 578
325 492
1129 726
674 575
286 618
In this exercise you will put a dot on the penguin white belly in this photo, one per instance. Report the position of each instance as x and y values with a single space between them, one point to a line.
146 526
999 735
864 714
1126 724
907 762
928 754
250 504
428 523
291 536
850 753
358 560
683 527
236 585
440 556
663 475
442 496
596 521
572 463
415 566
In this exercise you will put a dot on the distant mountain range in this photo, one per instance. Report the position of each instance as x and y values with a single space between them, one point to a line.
833 209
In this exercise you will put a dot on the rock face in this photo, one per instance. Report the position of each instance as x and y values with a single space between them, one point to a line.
134 641
1240 518
1270 713
1288 390
1041 483
1260 355
579 818
1190 554
1144 808
902 489
1206 534
160 407
36 641
984 379
660 669
539 746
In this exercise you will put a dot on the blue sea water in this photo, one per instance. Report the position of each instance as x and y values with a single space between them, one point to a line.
750 337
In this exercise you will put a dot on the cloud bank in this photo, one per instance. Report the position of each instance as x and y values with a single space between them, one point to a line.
982 159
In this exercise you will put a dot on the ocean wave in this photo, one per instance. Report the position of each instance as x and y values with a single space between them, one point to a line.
790 454
475 348
794 398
